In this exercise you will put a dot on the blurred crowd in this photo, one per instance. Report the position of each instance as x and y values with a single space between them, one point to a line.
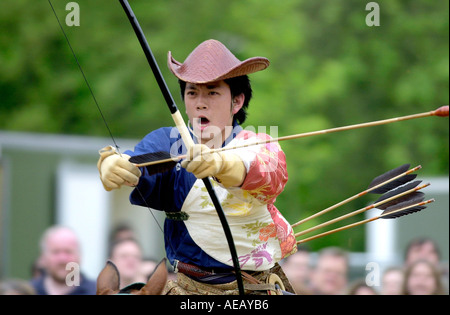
421 273
326 272
59 246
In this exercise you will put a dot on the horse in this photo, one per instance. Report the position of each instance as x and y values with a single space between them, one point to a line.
108 281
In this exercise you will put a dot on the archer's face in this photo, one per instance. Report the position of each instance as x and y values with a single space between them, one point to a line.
210 109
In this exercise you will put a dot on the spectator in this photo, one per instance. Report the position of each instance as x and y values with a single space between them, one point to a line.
329 276
392 281
59 247
120 232
297 269
359 287
422 278
422 248
126 254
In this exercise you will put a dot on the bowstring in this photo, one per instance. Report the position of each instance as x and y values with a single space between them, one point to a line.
103 116
85 79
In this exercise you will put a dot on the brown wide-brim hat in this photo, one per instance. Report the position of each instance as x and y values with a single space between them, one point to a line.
211 61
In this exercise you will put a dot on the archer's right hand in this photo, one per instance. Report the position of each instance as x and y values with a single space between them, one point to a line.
115 170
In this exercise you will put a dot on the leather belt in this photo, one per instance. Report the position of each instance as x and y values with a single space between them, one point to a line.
272 285
196 271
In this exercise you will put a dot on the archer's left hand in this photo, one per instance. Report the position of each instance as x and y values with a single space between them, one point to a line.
227 168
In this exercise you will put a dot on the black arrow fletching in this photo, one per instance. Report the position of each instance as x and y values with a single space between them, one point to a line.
154 157
405 212
408 207
413 200
150 157
399 191
394 184
389 175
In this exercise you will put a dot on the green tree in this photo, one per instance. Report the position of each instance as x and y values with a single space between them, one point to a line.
328 69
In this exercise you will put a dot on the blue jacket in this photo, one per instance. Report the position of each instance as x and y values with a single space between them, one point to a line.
262 235
86 287
167 192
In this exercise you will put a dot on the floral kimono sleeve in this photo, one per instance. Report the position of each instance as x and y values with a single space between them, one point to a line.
266 173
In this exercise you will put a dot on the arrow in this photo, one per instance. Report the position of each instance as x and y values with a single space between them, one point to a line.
390 213
150 159
402 194
381 184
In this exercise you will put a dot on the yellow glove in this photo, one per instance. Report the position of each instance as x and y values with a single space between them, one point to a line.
115 170
227 168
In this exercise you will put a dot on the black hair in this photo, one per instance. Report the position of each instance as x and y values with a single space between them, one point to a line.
420 241
238 85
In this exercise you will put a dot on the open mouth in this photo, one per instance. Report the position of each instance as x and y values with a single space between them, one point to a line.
201 123
204 121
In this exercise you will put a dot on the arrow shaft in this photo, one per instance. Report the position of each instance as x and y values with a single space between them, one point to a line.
437 112
441 112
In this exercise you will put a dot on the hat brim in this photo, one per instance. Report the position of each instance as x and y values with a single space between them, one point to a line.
202 75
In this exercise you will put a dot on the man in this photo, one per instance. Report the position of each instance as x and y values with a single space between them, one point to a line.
59 249
126 254
392 281
422 248
297 268
216 91
330 274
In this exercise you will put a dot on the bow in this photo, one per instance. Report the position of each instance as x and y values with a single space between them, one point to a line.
182 128
179 122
